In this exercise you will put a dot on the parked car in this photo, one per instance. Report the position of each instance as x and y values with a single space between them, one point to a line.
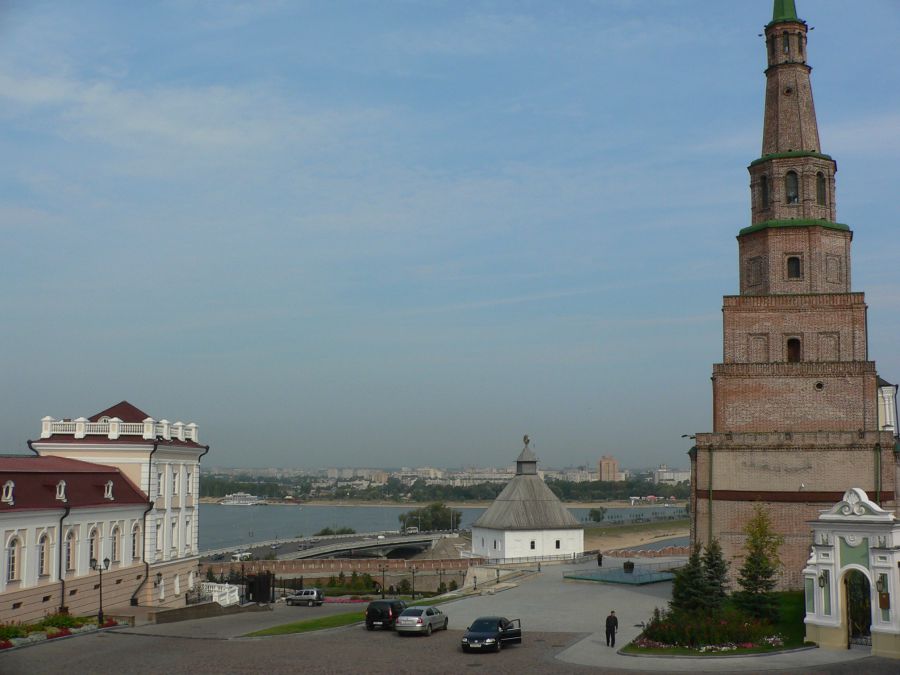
306 596
421 620
383 613
492 633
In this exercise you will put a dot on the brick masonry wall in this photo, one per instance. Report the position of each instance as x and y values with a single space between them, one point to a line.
814 245
768 468
795 397
831 327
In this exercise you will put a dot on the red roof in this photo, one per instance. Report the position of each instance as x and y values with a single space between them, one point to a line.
124 411
35 480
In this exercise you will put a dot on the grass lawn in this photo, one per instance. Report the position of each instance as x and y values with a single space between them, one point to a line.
789 625
333 621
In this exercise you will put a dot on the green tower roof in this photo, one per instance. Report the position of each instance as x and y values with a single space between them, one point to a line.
784 10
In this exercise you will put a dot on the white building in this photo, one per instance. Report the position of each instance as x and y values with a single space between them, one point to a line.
163 460
526 519
851 578
663 474
56 515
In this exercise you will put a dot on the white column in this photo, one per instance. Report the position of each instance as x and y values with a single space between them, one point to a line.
166 429
149 429
45 426
114 428
191 432
79 427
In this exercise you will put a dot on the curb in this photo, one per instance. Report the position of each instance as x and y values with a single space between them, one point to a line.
779 652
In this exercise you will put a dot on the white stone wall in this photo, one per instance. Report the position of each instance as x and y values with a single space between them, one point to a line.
28 528
489 543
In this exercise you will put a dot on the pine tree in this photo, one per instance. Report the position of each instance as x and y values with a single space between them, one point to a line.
715 569
758 573
689 589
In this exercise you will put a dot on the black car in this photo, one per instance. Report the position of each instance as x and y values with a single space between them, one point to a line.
383 613
492 633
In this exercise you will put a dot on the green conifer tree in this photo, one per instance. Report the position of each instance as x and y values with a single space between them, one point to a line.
715 569
690 592
758 573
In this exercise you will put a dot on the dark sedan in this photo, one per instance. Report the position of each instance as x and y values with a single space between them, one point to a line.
492 633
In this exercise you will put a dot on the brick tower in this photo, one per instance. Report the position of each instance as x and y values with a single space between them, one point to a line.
795 412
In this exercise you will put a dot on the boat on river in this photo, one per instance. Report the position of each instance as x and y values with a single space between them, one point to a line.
241 499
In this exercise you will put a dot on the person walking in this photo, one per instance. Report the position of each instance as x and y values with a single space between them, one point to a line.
612 625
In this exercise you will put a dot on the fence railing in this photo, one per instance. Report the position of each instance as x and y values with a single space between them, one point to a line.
225 594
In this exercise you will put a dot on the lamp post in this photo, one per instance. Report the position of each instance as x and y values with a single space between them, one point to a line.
99 567
475 581
383 568
413 569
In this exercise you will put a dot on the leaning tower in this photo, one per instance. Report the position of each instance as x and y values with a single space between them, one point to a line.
795 399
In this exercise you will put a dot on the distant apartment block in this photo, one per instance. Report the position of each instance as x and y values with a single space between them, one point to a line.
663 474
608 470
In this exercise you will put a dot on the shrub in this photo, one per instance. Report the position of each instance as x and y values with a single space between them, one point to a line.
62 632
453 585
11 630
60 621
5 644
698 629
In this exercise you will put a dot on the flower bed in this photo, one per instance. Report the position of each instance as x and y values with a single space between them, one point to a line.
51 627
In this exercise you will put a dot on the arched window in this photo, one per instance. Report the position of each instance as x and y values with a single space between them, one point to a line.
792 188
70 551
772 47
93 545
820 189
794 351
785 43
532 544
7 496
12 559
794 268
800 43
44 556
764 191
114 544
136 542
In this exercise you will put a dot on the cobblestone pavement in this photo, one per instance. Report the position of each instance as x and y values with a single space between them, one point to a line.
346 650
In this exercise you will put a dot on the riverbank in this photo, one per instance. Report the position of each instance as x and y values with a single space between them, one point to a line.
475 504
633 536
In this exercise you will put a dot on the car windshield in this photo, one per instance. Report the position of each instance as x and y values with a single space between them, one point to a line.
485 624
413 612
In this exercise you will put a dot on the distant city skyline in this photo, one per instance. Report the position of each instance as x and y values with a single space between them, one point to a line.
348 234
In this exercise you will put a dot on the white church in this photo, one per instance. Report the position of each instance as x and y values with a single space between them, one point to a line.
526 519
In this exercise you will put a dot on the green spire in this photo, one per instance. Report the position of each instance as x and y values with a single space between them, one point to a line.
784 10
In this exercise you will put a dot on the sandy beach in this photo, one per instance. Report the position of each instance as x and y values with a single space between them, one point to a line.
608 539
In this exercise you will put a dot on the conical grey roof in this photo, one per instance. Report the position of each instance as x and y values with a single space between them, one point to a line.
526 503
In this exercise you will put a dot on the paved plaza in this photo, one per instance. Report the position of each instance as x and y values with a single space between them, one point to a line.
562 623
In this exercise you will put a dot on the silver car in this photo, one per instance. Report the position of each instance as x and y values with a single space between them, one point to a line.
421 620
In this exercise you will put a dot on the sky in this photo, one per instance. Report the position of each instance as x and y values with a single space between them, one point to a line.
404 233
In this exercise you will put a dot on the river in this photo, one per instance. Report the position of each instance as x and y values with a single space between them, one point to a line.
226 526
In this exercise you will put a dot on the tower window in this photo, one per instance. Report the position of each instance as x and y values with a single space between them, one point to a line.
820 189
785 43
764 191
792 188
800 43
794 351
794 268
772 46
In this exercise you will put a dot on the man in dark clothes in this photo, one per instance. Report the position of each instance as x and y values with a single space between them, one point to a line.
612 625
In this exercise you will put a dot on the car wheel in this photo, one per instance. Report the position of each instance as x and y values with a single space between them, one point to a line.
309 604
428 629
446 623
368 627
499 646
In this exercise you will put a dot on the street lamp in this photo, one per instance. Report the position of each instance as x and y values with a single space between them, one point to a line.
413 569
383 569
99 567
475 581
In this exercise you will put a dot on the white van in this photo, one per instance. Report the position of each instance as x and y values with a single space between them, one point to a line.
412 530
240 556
